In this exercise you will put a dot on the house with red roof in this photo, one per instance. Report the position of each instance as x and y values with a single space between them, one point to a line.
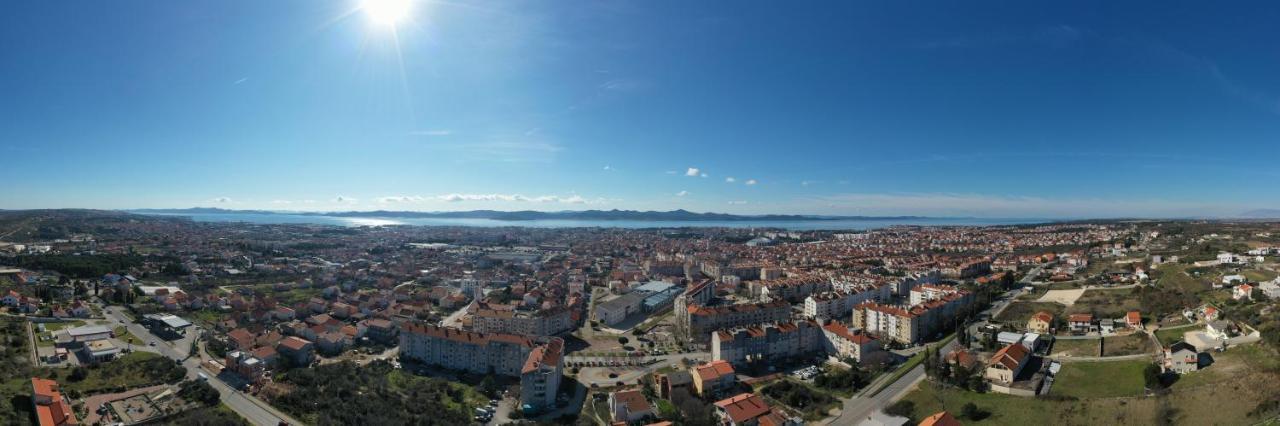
50 407
744 409
713 378
1007 363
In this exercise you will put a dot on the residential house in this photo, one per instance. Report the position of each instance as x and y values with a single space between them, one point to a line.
1133 320
629 406
668 383
1081 323
1007 363
50 407
299 351
1181 357
744 409
1040 322
713 378
1242 292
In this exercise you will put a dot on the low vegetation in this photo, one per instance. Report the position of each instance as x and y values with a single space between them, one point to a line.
802 398
345 394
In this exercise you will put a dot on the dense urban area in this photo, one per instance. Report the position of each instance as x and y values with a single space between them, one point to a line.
117 318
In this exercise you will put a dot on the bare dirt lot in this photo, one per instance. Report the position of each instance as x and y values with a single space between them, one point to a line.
1065 297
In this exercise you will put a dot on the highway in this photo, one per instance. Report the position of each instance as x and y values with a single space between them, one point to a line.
252 409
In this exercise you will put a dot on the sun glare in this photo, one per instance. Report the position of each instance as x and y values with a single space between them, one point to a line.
386 12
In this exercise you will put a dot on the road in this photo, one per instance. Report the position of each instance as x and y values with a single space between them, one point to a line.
252 409
861 406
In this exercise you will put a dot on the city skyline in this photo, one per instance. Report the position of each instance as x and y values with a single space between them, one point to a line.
1031 110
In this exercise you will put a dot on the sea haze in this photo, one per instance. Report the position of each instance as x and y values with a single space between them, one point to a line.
619 219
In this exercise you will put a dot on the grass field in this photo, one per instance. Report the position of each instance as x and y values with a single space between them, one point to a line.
1076 347
1106 303
1100 379
1168 336
133 370
1258 275
1019 312
1175 276
1133 344
56 326
122 333
1014 410
1237 382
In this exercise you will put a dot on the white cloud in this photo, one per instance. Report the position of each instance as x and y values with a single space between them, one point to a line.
737 202
572 199
703 175
692 172
221 200
670 172
240 81
730 179
682 193
344 200
400 199
607 168
281 202
751 182
434 132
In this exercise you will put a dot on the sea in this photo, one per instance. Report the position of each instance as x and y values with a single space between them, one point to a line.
795 225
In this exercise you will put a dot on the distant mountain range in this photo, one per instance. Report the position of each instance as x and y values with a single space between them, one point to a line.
1262 214
654 216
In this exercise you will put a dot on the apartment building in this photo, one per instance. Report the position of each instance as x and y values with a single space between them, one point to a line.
839 304
540 377
700 321
842 342
927 292
913 324
793 289
778 341
543 322
538 362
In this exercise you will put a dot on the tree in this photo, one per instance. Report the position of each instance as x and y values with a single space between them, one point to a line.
1152 376
623 340
78 374
901 408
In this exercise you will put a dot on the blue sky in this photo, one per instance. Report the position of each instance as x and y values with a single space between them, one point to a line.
1022 109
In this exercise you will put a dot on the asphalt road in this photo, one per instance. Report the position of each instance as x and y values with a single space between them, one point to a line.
861 407
252 409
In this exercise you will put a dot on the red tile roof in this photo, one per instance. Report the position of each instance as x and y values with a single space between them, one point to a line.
714 370
942 418
743 407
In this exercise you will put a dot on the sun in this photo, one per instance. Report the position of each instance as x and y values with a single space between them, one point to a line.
386 12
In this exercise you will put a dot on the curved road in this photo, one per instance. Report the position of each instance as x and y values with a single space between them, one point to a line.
252 409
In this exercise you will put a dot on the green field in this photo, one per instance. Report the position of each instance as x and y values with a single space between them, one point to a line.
1259 275
1100 379
1168 336
56 326
122 334
1175 276
1014 410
